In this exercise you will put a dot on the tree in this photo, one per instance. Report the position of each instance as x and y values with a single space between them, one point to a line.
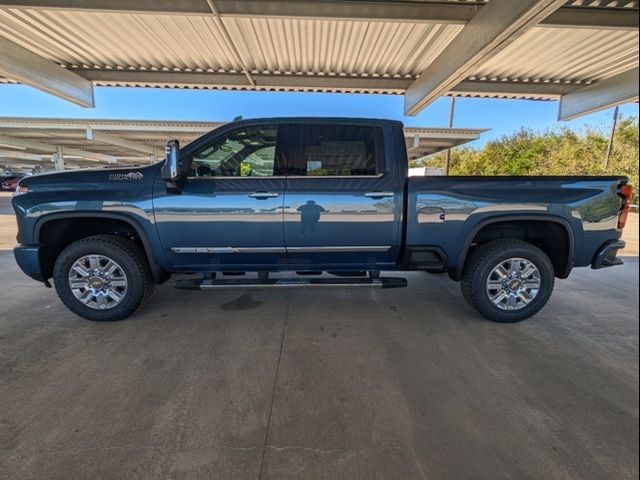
554 152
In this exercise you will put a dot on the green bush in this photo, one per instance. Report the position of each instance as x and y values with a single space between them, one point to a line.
554 152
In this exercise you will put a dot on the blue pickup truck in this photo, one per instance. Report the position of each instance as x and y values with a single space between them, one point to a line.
327 200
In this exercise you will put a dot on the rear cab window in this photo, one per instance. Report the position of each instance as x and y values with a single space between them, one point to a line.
337 150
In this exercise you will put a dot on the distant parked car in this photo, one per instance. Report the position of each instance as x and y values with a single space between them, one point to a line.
10 184
6 178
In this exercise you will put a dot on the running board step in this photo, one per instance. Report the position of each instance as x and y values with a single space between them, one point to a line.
205 284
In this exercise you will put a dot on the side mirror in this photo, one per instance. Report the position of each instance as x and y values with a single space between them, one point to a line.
171 171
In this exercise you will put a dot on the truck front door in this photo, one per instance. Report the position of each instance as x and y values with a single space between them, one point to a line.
343 200
229 214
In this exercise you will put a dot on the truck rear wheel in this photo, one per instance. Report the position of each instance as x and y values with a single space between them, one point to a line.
103 278
507 280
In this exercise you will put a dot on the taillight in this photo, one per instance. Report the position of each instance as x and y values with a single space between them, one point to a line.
625 192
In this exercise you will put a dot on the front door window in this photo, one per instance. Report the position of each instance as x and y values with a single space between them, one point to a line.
248 152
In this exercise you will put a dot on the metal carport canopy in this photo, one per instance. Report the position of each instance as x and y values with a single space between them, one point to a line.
531 49
29 142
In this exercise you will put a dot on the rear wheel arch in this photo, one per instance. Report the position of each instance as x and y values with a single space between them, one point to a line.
524 277
561 254
69 227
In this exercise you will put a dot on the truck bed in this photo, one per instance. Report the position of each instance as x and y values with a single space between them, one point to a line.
447 212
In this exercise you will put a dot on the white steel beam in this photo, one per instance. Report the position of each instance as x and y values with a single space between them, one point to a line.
593 17
235 80
545 90
621 88
320 82
516 89
494 27
19 164
17 155
67 124
361 10
369 10
25 143
429 12
98 157
18 63
46 162
20 142
230 43
117 141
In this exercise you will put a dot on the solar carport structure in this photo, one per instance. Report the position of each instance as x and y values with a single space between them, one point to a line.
581 52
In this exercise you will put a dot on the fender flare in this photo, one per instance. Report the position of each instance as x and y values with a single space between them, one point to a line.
456 273
159 274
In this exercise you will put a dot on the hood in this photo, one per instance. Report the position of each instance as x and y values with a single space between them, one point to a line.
92 178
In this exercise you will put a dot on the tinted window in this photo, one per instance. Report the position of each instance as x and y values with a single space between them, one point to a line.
246 152
332 150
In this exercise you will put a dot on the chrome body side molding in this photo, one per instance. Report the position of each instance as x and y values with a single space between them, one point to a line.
333 249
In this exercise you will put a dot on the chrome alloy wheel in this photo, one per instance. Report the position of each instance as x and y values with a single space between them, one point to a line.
513 284
98 282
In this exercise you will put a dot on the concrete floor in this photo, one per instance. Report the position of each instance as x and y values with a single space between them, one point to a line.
318 383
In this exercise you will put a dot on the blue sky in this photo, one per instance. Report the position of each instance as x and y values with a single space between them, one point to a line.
501 116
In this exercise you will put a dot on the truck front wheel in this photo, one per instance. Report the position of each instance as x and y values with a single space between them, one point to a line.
507 280
104 277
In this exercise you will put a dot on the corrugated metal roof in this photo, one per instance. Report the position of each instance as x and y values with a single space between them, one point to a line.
558 55
338 47
289 49
194 43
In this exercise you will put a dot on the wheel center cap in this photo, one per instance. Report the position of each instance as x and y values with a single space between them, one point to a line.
97 283
514 284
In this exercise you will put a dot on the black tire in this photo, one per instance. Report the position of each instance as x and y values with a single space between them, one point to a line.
485 258
128 256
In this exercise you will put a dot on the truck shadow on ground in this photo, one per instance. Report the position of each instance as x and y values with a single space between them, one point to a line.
242 302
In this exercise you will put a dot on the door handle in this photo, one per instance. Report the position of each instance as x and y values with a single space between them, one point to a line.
263 195
378 194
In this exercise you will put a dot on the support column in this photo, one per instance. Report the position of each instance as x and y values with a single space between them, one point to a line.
59 158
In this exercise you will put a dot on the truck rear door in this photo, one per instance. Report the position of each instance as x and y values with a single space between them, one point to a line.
343 200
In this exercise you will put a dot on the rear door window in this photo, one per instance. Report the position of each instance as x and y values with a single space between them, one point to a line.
327 150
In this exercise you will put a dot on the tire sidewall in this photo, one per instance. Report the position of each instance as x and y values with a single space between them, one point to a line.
135 280
547 277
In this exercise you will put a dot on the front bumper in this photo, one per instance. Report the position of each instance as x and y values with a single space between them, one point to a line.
606 255
28 259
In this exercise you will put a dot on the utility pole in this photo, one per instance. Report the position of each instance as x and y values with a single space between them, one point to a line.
452 108
610 145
